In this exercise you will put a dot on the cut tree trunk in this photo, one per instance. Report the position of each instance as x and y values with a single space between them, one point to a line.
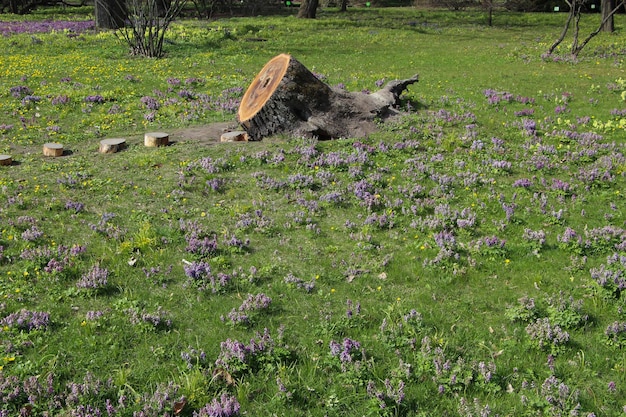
155 139
53 149
112 145
285 97
6 160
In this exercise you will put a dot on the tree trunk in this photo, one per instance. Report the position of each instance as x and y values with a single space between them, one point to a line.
308 9
608 24
285 97
344 6
110 14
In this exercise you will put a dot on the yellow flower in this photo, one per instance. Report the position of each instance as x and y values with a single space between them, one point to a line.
332 290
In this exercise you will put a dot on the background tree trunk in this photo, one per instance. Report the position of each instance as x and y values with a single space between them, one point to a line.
110 14
606 8
308 9
344 5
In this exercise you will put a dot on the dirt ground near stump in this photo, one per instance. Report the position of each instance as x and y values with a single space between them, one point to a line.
208 134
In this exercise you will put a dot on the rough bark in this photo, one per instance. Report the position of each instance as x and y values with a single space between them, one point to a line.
308 9
606 7
285 97
110 14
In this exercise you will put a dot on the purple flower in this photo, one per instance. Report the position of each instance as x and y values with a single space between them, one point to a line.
225 406
96 99
31 234
251 305
612 387
27 320
60 100
523 183
20 91
96 278
150 103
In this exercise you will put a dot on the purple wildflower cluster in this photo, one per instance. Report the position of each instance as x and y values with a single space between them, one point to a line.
535 239
402 331
348 352
53 260
566 311
200 276
96 278
194 358
497 97
250 306
265 182
20 91
473 409
615 334
524 311
554 396
291 279
204 244
26 320
255 220
391 397
546 335
237 357
610 275
46 26
75 206
60 100
32 234
160 319
225 406
106 228
94 99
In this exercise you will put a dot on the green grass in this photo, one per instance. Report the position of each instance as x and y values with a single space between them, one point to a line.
412 218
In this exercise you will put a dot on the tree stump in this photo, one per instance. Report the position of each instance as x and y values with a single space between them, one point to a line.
6 160
285 97
156 139
112 145
53 149
236 136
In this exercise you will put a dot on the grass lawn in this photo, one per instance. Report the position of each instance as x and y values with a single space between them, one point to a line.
467 259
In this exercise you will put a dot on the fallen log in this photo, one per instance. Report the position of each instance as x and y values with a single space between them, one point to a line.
285 97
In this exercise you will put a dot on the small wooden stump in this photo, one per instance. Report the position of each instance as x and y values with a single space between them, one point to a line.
53 149
112 145
6 160
236 136
154 139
